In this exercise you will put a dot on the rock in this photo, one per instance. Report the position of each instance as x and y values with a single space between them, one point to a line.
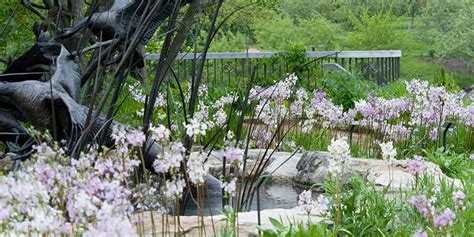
313 169
5 165
216 157
283 166
247 226
213 197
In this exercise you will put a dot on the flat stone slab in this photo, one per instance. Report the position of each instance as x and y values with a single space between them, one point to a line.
247 226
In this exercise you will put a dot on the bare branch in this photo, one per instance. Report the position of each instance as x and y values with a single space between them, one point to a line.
27 4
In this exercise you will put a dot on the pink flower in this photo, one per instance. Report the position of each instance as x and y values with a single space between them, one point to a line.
136 138
415 166
444 219
434 134
423 205
234 155
458 198
420 233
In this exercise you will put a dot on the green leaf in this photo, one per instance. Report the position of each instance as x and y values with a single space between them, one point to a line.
278 225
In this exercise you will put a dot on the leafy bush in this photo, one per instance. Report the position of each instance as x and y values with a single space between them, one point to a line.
446 80
448 25
274 33
374 32
451 163
344 89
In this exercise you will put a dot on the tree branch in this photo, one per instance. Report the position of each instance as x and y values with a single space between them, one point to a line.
27 4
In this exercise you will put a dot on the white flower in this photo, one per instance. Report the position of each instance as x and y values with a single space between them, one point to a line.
195 127
339 151
174 189
160 133
170 158
136 138
197 169
305 201
83 204
230 187
388 151
220 117
319 206
110 223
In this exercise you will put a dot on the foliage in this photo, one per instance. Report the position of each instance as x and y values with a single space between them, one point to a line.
230 42
446 80
230 219
365 209
344 89
448 25
368 210
276 31
378 31
15 28
298 230
394 89
451 163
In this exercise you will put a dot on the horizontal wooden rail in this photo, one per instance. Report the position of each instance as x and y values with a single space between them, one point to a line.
221 69
309 54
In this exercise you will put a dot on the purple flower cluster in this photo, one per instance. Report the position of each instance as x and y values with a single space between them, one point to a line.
55 195
423 205
425 208
319 206
416 166
421 233
234 155
444 219
458 198
324 112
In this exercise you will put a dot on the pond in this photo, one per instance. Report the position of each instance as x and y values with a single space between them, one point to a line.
273 195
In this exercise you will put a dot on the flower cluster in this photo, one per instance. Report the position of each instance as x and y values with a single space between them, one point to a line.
416 166
160 133
319 206
54 195
138 96
234 156
388 151
322 111
174 189
440 220
229 187
170 159
339 152
196 127
458 198
197 169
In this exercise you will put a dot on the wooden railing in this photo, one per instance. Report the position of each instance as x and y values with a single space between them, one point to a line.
381 66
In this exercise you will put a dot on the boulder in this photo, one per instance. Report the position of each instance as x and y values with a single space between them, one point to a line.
216 157
283 166
313 169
